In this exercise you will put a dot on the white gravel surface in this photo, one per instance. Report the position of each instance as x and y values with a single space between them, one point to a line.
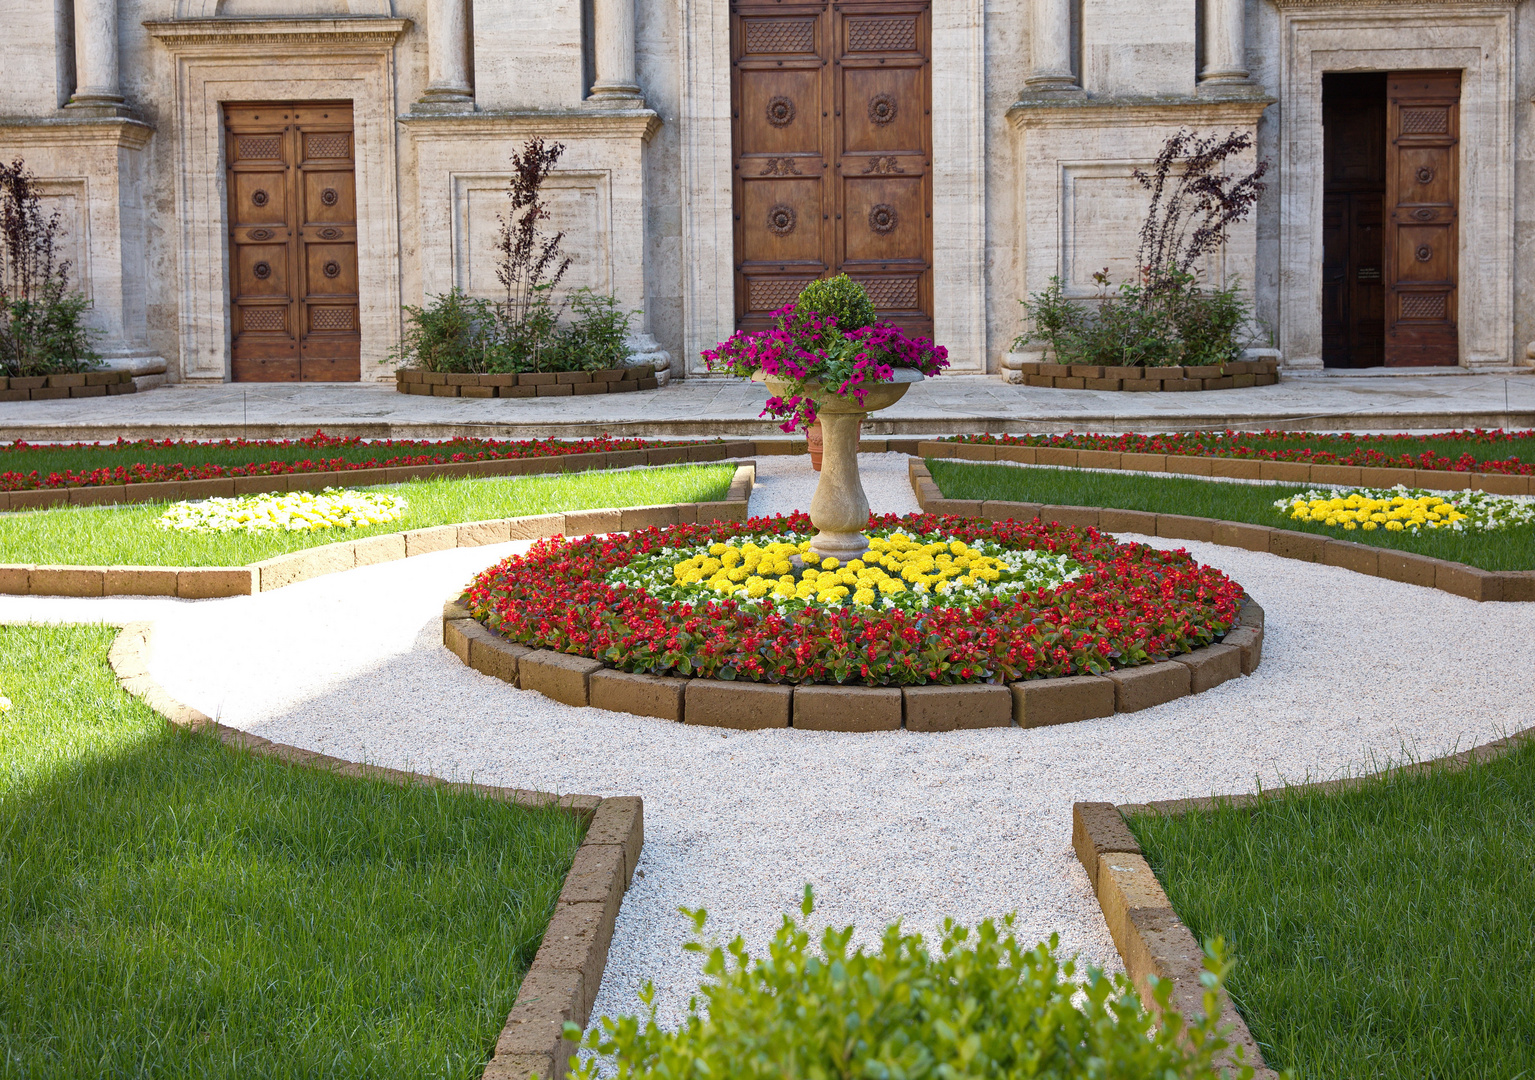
886 826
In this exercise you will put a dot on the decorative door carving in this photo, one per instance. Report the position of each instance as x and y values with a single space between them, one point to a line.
292 242
1422 190
832 146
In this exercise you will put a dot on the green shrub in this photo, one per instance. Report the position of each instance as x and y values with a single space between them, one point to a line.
47 336
461 333
595 338
984 1006
455 333
842 298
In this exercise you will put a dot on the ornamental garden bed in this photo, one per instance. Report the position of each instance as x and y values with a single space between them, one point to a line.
1229 376
527 384
53 387
1423 846
101 551
1479 565
1039 624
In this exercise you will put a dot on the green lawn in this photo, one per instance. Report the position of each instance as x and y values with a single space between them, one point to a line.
173 908
1511 549
83 457
1485 446
1388 932
129 535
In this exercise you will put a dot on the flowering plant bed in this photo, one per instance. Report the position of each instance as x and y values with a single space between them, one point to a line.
1403 509
1080 604
25 467
1456 451
293 511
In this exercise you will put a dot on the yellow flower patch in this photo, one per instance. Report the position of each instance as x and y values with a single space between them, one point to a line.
293 511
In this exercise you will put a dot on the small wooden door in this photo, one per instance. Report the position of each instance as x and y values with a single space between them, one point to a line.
293 242
1422 190
1354 194
832 140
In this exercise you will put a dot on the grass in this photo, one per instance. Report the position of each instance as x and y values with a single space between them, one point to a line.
1510 549
129 535
1388 932
170 907
82 457
1497 445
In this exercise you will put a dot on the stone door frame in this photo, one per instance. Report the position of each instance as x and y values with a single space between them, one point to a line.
1478 41
229 60
958 177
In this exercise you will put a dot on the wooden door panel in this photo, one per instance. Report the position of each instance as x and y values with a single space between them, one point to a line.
328 197
330 269
831 139
1421 233
261 270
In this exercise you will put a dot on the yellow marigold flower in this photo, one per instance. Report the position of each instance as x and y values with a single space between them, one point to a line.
829 563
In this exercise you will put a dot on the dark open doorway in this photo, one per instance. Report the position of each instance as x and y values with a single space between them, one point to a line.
1353 206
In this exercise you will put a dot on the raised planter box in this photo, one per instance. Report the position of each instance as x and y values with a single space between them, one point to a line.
527 384
55 387
1232 376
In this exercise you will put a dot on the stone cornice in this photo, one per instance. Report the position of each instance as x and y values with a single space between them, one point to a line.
575 122
225 35
76 131
1392 6
1047 112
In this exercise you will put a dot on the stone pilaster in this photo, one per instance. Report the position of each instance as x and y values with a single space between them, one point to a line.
1225 43
449 88
1050 68
98 86
614 33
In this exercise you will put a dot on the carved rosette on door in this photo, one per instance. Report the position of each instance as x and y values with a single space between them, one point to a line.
832 134
293 242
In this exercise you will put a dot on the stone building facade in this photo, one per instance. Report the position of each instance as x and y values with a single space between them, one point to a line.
253 188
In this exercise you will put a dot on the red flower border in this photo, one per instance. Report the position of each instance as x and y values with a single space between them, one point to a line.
1232 444
393 453
1134 605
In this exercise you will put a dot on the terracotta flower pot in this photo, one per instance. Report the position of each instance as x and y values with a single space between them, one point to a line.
813 437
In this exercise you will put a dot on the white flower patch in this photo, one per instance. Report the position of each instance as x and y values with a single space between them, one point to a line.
291 511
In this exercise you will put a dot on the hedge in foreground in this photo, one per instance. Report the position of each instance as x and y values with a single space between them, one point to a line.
983 1007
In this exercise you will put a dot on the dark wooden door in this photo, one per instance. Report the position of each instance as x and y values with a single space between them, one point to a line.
1354 192
293 242
832 146
1422 191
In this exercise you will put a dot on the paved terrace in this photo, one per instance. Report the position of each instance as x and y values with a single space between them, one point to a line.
713 406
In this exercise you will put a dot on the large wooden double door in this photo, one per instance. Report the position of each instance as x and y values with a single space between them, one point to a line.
831 106
293 242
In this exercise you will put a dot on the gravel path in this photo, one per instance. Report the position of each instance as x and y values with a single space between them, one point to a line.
885 826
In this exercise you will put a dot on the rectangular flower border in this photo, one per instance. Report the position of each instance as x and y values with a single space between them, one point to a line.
562 981
1150 937
208 582
1470 582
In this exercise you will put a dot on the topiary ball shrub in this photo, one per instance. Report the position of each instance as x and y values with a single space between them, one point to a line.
840 297
984 1006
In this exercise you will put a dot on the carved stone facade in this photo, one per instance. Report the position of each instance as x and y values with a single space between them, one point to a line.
1040 111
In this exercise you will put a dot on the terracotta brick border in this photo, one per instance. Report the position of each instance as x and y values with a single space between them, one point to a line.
1229 376
1451 577
1291 472
563 979
581 681
204 582
1150 937
526 385
53 387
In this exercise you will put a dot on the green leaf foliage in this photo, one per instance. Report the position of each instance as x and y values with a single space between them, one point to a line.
840 297
982 1006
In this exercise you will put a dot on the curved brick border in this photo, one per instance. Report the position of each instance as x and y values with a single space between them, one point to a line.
562 981
1228 376
527 384
79 385
1470 582
1291 472
1150 937
205 582
582 681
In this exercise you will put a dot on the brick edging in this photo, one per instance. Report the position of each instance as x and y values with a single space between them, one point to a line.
526 384
584 681
562 981
208 582
229 486
1150 937
1233 375
1459 579
1288 472
82 384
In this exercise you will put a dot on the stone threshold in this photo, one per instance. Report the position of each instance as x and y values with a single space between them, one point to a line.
561 983
1151 939
1470 582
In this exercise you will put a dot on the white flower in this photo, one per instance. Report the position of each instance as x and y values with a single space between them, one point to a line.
293 511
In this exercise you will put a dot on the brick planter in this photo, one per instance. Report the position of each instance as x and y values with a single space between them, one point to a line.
1231 376
54 387
742 705
527 384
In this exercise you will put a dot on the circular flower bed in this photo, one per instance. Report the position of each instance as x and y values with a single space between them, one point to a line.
948 600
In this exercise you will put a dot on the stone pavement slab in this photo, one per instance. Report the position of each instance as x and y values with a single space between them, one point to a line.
700 407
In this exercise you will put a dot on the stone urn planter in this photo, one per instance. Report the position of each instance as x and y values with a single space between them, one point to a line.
840 509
